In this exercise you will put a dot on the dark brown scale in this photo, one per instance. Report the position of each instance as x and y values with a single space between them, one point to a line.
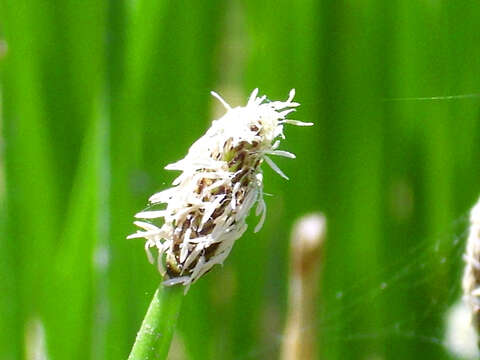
238 160
246 180
178 237
240 196
211 250
201 185
195 232
241 146
219 211
207 228
237 177
219 191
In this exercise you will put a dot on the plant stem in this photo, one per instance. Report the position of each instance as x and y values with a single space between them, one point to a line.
154 337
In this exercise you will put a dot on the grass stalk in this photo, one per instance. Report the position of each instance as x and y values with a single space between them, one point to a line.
155 335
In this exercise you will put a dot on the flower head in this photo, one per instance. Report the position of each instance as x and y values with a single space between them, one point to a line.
205 210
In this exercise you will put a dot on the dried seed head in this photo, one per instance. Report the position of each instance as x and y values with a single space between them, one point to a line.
205 210
471 276
306 250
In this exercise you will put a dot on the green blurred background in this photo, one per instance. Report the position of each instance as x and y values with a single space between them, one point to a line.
97 96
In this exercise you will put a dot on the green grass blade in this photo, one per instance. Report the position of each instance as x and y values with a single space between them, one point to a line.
30 172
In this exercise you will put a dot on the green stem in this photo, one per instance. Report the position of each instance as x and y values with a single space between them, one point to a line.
154 337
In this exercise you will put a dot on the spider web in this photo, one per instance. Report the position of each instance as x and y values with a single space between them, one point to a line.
414 273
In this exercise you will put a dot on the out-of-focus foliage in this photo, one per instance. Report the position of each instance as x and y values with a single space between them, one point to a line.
98 96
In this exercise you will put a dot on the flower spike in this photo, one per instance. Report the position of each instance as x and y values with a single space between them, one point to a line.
220 182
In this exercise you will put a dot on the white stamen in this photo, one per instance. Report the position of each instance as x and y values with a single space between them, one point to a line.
283 153
151 214
261 208
297 123
275 167
219 98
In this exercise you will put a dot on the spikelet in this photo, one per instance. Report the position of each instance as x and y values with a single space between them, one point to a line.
205 210
471 276
306 250
460 336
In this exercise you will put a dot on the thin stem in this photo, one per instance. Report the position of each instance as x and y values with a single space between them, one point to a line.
154 337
